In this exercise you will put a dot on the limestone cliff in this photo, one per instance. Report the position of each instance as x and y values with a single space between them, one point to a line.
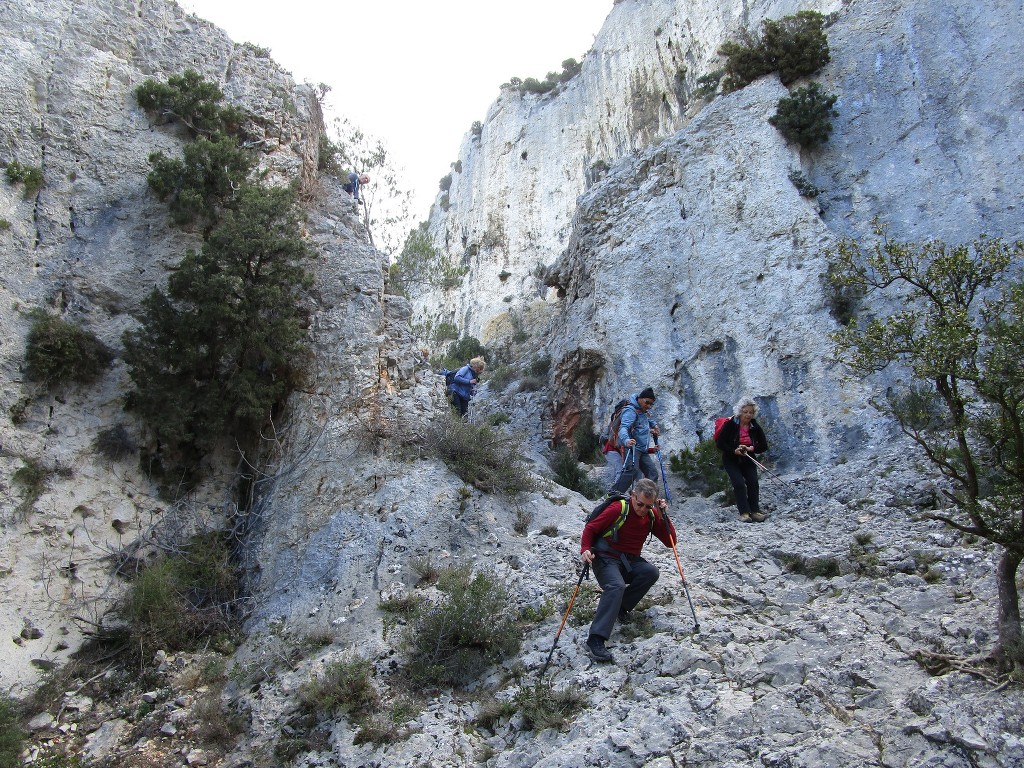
652 236
90 243
677 253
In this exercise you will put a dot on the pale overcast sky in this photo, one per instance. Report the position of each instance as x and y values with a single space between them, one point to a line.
413 73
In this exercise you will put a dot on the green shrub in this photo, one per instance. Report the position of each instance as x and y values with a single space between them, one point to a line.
215 164
327 157
701 468
59 352
746 61
403 606
191 100
803 185
569 474
344 687
805 116
445 332
182 598
542 706
445 183
492 711
498 418
570 68
483 457
115 443
462 351
540 365
425 568
811 567
842 298
797 44
419 263
500 377
586 442
5 225
794 46
524 517
12 734
32 478
226 344
707 85
532 383
30 176
204 180
477 129
216 725
468 629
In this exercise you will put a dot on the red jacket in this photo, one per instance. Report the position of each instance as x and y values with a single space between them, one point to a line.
632 534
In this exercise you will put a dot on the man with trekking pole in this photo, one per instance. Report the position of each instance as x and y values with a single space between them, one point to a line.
611 544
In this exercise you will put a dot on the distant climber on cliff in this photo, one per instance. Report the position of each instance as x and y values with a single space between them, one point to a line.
355 180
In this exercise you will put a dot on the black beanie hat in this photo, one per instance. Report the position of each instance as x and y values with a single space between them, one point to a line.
646 393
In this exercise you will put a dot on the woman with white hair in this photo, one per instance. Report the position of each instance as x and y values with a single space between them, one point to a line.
740 438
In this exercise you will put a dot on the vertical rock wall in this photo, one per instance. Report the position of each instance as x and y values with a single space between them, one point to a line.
692 263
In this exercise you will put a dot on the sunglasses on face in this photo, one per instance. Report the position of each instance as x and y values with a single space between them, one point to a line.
642 505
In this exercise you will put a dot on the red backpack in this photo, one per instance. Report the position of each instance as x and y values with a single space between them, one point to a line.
719 423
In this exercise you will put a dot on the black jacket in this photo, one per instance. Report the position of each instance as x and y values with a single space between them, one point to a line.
729 439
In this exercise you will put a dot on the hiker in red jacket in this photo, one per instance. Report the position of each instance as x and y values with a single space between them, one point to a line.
613 548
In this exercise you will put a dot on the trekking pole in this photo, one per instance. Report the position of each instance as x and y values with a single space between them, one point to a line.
664 481
679 563
625 463
686 589
768 471
583 574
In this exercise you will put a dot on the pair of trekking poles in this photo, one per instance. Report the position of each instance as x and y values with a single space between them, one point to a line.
586 567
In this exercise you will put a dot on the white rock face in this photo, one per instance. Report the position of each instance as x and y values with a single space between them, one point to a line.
511 207
694 266
88 246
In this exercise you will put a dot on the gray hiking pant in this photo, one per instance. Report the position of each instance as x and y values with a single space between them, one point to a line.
622 588
640 462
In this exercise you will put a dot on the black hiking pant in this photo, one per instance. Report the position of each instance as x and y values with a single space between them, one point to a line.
743 474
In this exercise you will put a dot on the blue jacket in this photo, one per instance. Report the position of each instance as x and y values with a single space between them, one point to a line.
635 424
461 384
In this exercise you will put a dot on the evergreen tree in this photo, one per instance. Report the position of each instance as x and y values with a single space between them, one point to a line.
958 334
223 347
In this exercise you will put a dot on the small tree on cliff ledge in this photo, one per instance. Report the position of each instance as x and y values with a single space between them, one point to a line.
959 335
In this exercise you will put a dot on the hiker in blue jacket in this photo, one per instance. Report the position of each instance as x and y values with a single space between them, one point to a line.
355 180
463 386
636 432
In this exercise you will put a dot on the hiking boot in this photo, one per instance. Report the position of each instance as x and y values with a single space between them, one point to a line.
597 651
744 517
757 517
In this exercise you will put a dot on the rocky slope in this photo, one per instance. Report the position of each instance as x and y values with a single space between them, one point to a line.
816 631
